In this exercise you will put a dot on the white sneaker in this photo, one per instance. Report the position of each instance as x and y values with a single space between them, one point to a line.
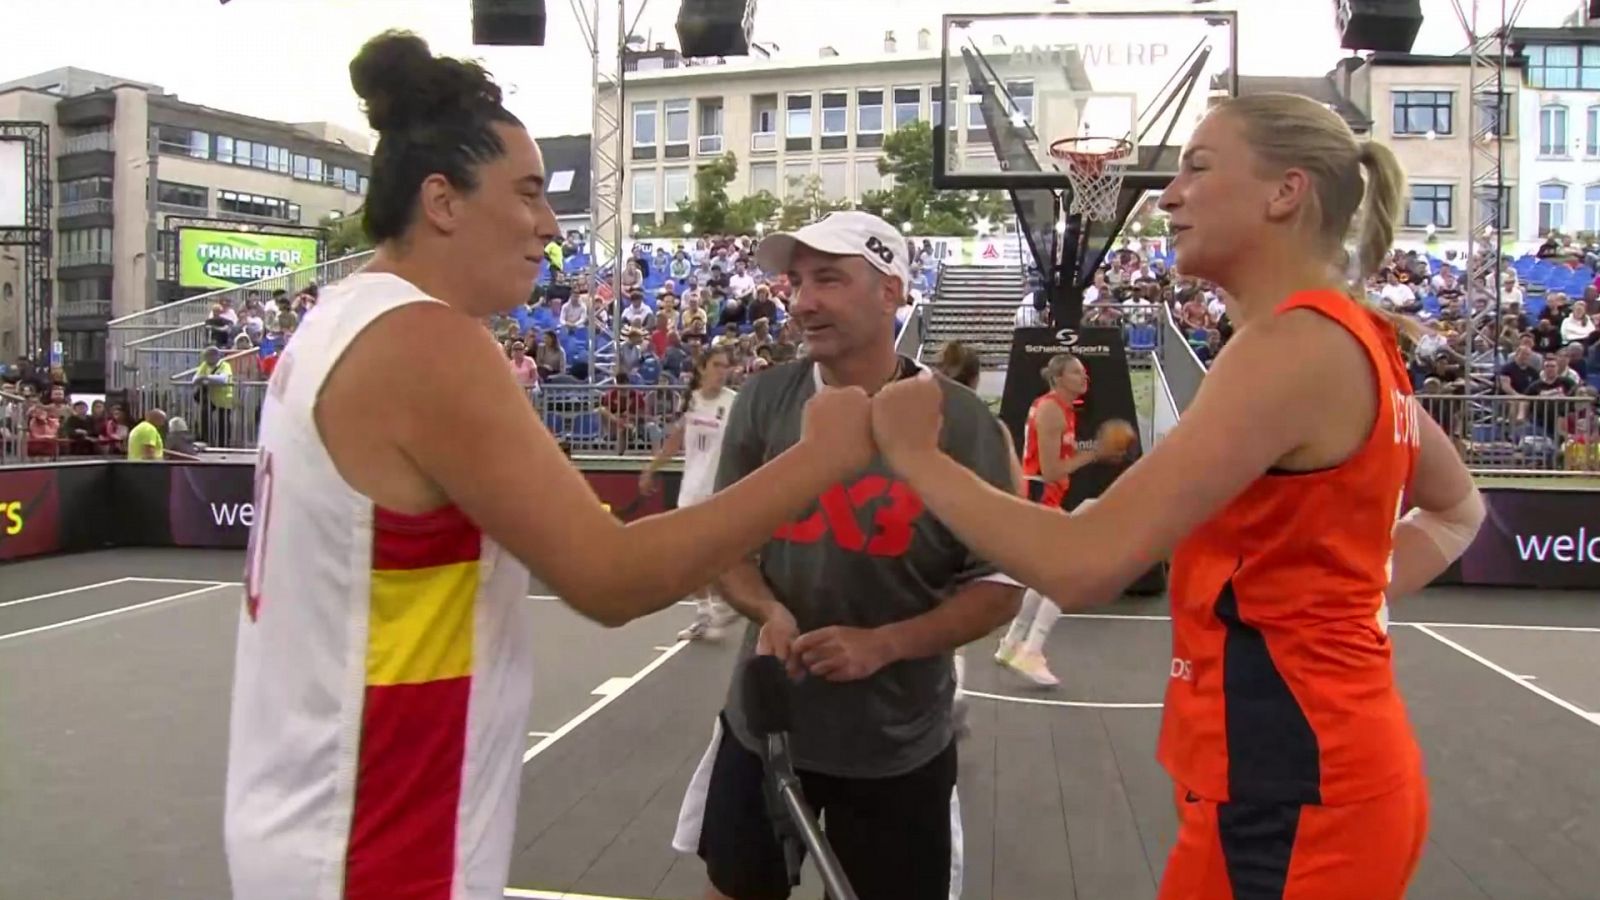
1033 667
1005 653
699 629
723 615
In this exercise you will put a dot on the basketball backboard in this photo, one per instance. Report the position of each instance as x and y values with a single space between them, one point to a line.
1018 83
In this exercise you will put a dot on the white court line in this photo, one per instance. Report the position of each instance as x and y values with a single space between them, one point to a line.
1579 629
182 581
525 894
64 591
110 612
602 703
1077 704
1591 718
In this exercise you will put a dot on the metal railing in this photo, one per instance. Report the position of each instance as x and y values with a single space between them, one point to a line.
71 258
236 425
84 207
1506 434
13 429
181 324
88 143
96 309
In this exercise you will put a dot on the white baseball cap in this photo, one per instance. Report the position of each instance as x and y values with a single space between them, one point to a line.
850 233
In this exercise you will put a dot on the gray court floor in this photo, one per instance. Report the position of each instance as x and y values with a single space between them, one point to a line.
115 671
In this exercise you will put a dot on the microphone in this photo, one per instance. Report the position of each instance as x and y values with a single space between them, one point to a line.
769 713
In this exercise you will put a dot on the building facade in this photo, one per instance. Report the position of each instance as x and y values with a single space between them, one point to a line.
130 163
1561 106
785 120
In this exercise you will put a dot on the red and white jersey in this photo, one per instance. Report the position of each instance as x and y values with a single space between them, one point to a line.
702 444
384 668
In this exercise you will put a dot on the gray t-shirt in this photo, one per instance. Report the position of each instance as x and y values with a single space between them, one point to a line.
864 555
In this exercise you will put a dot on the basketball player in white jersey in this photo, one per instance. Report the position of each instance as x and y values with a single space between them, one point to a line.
698 436
383 671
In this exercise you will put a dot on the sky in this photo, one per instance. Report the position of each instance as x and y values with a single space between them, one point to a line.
288 60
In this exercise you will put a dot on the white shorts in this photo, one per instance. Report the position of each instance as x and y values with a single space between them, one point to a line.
686 837
690 498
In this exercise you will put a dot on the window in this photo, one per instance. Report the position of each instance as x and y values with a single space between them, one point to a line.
677 121
224 149
644 192
1552 207
764 177
560 181
907 106
710 126
183 141
869 112
96 188
974 104
644 124
361 186
258 156
1553 131
1022 98
1431 204
1501 112
867 177
1490 208
301 167
175 194
1556 67
316 169
797 124
836 116
230 202
1591 132
794 177
764 122
352 181
1419 112
676 184
832 176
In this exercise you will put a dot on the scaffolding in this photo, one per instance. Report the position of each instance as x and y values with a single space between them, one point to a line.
1487 24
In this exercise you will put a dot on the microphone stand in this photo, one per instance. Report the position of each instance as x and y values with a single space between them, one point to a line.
796 825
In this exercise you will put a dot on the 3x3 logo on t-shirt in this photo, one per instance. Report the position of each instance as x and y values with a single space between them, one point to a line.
893 505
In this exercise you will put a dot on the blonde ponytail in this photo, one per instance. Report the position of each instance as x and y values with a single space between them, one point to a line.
1386 191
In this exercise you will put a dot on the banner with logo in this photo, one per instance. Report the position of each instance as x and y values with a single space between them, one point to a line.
996 250
1531 538
208 258
1110 397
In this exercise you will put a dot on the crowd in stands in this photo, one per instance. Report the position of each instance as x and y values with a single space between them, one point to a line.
1545 342
37 420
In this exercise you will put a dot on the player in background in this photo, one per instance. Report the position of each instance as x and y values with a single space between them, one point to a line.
698 436
1049 457
1281 499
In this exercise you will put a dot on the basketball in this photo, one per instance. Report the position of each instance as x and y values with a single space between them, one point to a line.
1115 438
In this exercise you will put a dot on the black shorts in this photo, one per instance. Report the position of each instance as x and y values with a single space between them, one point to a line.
891 835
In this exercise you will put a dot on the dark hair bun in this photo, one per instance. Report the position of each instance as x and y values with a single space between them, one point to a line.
403 83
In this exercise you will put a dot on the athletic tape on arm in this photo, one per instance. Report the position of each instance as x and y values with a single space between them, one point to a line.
1453 529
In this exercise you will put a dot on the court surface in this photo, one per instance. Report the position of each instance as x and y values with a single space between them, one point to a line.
115 670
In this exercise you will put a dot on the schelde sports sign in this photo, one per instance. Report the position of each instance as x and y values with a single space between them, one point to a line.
220 259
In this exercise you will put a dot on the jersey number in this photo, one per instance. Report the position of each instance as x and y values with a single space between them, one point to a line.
256 552
836 516
703 442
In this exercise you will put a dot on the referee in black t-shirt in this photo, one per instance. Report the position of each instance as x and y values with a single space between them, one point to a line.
866 598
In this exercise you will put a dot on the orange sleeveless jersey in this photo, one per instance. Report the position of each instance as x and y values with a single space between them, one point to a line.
1054 491
1281 686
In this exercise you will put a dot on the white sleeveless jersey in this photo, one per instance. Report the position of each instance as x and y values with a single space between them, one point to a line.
702 444
384 668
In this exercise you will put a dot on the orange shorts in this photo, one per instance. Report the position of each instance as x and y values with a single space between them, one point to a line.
1256 851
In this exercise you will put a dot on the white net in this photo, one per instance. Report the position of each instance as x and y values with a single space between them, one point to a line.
1094 167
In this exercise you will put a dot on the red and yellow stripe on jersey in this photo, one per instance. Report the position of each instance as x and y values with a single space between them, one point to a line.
425 579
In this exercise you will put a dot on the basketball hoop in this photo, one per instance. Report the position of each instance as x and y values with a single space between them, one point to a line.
1094 167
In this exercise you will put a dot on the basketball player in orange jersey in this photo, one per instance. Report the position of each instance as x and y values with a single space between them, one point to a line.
1280 499
1049 457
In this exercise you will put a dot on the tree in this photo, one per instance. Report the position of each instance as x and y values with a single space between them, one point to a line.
708 211
344 235
907 157
806 203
